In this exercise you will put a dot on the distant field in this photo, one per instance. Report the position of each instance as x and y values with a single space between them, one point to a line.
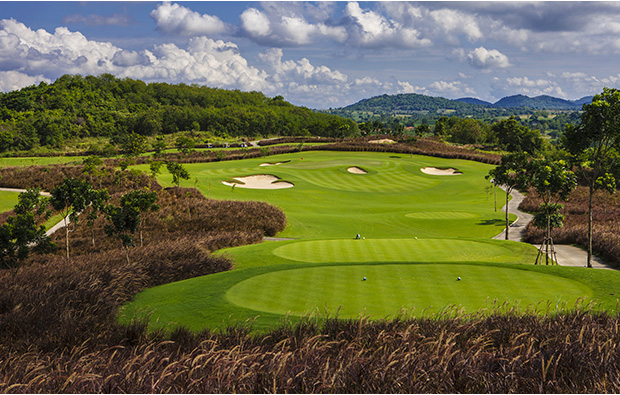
8 200
39 161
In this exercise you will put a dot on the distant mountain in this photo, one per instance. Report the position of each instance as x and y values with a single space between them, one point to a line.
410 103
542 102
473 100
584 100
406 103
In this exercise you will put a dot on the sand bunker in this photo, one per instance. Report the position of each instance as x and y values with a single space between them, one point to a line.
440 172
271 164
382 141
261 181
356 170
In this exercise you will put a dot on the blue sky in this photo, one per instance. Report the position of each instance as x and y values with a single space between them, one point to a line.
321 54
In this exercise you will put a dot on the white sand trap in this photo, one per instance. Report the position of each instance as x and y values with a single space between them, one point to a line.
382 141
271 164
261 181
356 170
440 172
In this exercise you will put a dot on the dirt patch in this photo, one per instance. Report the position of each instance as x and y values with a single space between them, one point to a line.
356 170
260 181
440 172
382 141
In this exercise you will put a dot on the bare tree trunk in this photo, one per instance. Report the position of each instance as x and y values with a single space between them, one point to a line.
548 240
589 263
507 215
67 236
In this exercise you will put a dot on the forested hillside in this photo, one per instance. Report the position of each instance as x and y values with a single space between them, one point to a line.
76 106
545 113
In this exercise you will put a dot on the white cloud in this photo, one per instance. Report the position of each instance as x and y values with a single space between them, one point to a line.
450 89
203 61
13 80
255 23
286 27
179 20
483 58
369 29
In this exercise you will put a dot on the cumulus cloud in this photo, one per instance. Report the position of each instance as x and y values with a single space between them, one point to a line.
284 27
203 61
179 20
13 80
483 58
370 29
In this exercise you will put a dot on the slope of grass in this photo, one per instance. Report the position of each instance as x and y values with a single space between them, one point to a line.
420 233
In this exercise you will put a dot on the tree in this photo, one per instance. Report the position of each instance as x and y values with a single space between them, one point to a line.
143 202
178 172
123 224
511 173
91 167
511 136
185 145
71 198
97 200
592 145
23 232
553 181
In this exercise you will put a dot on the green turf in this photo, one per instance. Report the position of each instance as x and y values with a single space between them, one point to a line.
391 288
39 161
390 201
8 200
421 232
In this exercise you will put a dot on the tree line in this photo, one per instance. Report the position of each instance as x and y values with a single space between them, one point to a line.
75 106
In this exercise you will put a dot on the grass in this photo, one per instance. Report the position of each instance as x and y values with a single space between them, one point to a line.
8 200
383 203
39 161
420 232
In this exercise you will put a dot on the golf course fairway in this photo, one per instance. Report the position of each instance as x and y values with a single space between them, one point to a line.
418 233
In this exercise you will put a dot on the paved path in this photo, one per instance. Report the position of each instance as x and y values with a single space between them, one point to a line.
568 255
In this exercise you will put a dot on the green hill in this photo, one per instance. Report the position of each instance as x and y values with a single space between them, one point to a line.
76 107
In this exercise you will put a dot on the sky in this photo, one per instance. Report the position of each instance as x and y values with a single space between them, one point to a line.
321 54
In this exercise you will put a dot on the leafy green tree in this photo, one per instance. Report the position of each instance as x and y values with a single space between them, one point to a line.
593 146
178 172
133 144
124 221
71 198
185 145
23 232
422 130
511 136
512 173
159 145
553 181
92 167
144 202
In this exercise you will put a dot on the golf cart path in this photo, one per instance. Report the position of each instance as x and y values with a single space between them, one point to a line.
568 255
54 228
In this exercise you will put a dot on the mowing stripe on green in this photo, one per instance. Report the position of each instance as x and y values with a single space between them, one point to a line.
391 288
394 250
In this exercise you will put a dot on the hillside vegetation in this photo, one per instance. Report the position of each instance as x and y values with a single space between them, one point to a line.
73 106
546 113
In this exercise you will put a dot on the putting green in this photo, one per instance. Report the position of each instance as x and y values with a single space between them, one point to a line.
394 250
391 288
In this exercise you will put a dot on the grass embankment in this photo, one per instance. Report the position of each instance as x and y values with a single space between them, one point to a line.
417 227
